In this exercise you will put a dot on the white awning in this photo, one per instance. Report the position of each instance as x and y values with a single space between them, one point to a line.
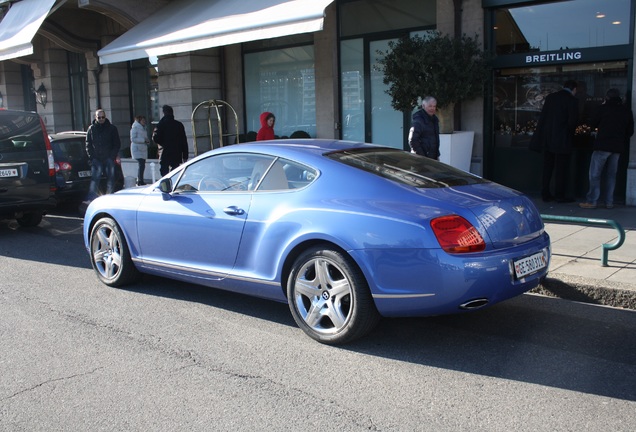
19 25
190 25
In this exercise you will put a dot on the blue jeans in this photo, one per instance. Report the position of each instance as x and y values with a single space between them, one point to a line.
600 160
97 168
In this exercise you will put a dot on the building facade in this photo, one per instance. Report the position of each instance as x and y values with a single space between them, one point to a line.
314 64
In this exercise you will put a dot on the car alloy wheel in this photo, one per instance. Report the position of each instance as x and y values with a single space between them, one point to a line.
329 297
110 256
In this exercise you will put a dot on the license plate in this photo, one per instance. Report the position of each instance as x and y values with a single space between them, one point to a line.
84 174
531 264
11 172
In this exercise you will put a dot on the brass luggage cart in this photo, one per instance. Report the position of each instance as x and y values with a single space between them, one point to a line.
217 111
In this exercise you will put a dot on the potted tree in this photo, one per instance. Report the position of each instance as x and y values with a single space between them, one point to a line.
450 69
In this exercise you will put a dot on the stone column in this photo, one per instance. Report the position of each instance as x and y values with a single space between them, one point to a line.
185 80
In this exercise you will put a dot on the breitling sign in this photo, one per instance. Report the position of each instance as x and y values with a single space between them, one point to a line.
564 56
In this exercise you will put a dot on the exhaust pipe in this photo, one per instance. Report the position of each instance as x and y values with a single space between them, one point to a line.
474 304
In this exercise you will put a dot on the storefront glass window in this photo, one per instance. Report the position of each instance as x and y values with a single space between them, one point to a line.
77 73
562 25
281 81
352 82
520 93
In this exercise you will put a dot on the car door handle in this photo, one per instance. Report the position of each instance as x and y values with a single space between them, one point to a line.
233 210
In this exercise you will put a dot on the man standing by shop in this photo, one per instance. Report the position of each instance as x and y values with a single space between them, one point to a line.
424 132
173 144
102 146
554 135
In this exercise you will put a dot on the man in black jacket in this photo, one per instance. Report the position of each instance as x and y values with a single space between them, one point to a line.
173 144
554 135
424 132
102 146
615 124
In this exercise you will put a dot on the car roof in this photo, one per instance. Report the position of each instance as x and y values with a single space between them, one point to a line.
67 135
291 146
4 111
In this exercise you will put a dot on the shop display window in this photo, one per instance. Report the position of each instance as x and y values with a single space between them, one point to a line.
519 94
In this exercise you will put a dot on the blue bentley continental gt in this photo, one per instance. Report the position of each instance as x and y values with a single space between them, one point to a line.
343 232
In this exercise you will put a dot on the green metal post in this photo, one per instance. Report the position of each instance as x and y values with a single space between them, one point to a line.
590 221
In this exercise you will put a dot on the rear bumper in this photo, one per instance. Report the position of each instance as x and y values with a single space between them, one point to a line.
432 282
13 209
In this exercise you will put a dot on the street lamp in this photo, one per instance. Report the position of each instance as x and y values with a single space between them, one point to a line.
41 95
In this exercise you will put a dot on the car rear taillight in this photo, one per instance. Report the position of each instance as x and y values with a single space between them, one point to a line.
49 155
62 166
456 235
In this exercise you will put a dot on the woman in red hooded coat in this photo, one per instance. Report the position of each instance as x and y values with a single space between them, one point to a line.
266 132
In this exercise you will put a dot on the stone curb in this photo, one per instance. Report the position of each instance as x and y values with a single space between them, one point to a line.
586 290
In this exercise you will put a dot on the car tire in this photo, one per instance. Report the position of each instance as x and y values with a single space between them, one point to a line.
30 219
329 297
110 256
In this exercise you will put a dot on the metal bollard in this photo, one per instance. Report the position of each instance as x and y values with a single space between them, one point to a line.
606 246
152 169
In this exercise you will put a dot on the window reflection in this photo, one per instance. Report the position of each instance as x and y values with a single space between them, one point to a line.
519 94
563 25
282 81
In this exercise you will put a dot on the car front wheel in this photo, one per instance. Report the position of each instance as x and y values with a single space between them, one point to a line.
329 297
110 256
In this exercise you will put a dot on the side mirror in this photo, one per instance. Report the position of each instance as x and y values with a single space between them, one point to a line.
165 186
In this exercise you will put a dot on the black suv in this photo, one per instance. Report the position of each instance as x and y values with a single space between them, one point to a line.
27 170
73 168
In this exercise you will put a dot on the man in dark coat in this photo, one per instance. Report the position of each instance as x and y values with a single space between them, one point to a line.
424 132
173 144
554 135
102 146
615 124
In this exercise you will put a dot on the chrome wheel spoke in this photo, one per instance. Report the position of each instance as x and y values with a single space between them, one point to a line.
314 314
336 315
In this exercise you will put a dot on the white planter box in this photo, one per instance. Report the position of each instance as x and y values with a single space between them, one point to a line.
456 149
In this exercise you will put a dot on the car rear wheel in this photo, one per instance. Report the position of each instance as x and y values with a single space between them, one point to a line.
329 297
30 219
110 256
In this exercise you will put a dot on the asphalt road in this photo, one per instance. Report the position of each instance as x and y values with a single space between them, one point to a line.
168 356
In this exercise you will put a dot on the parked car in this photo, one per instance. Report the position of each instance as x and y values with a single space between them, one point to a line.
27 174
73 168
344 232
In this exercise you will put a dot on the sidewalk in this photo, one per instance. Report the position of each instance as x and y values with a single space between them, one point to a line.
576 271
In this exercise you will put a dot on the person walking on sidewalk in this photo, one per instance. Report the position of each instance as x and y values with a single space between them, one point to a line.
102 147
171 137
554 136
615 124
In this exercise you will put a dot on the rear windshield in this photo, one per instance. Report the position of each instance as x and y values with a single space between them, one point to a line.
407 168
20 132
71 149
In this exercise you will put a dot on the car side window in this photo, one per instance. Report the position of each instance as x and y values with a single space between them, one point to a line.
243 172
